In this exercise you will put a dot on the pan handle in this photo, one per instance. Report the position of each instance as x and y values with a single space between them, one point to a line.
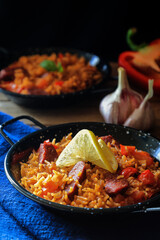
14 120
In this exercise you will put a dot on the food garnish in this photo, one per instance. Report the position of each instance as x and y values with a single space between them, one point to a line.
85 147
143 62
51 66
126 106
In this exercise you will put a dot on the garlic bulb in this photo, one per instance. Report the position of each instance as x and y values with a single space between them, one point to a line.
118 106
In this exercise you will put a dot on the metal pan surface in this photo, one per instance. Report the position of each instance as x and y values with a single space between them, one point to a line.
34 101
122 134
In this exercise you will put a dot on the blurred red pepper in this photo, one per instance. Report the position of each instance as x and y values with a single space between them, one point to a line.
143 63
59 83
60 55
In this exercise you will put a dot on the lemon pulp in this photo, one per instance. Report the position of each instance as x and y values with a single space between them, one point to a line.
85 147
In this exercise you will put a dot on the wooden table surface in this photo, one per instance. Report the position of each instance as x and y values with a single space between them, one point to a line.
85 110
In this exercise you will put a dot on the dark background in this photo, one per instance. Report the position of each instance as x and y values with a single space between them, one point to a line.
95 26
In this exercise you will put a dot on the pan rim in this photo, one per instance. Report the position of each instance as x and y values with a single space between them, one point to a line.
68 208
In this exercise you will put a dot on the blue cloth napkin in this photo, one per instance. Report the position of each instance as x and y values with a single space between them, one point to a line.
20 217
24 219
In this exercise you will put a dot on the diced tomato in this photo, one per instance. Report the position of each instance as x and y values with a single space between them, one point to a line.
137 154
142 155
55 146
138 196
49 187
129 171
60 55
59 83
127 150
147 177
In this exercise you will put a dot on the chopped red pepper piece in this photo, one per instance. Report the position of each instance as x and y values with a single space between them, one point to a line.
142 155
50 187
137 154
55 146
59 83
127 150
147 177
129 171
143 64
60 55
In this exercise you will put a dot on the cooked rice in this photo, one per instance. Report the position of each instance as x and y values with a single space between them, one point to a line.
28 77
36 177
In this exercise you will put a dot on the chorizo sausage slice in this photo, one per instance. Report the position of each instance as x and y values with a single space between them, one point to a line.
114 185
78 173
109 139
47 152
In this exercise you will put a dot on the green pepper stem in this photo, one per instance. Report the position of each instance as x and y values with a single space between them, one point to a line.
130 33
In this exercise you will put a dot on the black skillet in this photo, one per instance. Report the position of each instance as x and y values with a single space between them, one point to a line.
32 101
122 134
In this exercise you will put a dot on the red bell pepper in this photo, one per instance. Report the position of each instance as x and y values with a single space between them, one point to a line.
127 150
129 171
143 63
60 55
137 154
147 177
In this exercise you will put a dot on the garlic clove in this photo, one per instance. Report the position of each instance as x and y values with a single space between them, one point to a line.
142 117
110 113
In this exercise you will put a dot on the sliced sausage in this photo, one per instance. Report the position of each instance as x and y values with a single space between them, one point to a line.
114 185
19 156
7 74
109 139
47 152
78 172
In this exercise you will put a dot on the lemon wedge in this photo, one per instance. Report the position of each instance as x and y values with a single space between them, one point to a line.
112 162
85 147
